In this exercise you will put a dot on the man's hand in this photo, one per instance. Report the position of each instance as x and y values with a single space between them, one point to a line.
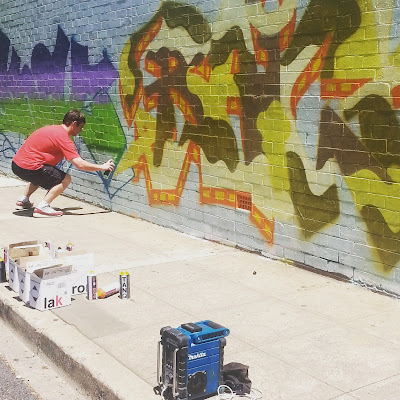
88 166
108 166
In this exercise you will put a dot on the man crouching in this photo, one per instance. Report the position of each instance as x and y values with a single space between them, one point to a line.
36 160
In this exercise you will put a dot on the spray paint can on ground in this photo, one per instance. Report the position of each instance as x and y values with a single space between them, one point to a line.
91 290
49 244
125 285
3 277
108 290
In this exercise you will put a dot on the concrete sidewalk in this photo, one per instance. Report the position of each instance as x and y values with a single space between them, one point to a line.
303 335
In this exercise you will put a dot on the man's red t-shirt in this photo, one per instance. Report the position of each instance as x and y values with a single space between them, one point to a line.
47 145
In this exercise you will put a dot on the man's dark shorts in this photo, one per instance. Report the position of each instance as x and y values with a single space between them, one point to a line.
46 177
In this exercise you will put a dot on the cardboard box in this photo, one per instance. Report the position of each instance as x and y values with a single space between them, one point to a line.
50 287
14 252
13 281
27 265
25 249
82 263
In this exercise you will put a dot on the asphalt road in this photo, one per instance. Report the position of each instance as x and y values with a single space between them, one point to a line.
27 375
12 386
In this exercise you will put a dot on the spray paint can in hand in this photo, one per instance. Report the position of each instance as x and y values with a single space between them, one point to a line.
91 289
107 173
125 285
108 290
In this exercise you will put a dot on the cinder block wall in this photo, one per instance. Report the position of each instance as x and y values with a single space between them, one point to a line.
273 125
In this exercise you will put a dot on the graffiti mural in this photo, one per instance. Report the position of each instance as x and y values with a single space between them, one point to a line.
283 109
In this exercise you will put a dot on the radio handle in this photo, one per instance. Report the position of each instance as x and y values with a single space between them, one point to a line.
174 380
159 377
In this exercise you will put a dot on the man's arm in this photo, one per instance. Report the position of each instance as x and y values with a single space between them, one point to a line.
80 163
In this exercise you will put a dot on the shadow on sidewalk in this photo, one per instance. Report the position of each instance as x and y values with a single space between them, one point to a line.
66 211
71 211
24 213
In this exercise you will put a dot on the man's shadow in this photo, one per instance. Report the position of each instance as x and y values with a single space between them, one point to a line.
24 213
73 211
66 211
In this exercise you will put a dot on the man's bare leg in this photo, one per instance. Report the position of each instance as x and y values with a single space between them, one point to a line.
55 191
24 199
44 208
29 189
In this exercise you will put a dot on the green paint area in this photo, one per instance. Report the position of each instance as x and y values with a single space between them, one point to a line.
380 128
313 212
275 129
256 90
164 131
187 16
337 18
25 116
102 132
216 138
232 40
386 242
175 14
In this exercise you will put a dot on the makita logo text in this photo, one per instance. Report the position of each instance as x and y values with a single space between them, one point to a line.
196 356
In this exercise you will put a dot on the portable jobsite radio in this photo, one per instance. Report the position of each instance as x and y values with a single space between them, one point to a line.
192 358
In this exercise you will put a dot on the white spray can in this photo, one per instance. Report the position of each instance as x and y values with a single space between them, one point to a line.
108 290
91 289
125 285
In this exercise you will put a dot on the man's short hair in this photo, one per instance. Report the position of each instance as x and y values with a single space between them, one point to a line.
74 115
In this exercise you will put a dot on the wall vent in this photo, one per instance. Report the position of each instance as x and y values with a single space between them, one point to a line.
243 201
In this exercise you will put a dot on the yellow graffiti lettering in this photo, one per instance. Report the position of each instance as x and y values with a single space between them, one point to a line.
367 189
